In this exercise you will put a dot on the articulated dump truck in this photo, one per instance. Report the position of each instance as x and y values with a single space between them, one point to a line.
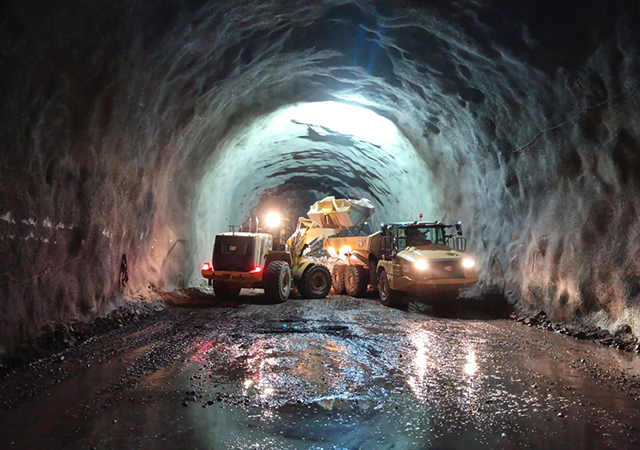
402 258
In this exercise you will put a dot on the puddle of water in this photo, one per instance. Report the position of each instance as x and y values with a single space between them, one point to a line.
399 381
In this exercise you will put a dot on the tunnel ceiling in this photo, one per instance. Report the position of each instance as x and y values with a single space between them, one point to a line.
117 119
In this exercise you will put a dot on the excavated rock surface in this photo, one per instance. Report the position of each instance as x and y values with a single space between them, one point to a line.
522 117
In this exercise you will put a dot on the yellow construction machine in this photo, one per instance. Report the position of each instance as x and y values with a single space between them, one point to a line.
249 260
402 258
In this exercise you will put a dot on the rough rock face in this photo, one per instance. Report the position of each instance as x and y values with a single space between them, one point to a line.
116 119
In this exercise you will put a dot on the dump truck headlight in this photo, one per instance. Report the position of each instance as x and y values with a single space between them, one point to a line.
468 263
421 264
332 251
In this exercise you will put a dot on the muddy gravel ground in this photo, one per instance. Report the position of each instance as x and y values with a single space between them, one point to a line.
339 373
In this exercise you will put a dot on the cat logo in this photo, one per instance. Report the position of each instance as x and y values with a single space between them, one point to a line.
448 268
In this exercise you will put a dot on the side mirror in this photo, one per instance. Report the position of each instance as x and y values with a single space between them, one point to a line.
458 243
459 228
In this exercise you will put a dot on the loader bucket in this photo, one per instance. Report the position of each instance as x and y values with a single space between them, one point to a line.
340 214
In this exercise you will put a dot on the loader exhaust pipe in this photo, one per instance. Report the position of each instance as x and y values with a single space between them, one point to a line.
253 224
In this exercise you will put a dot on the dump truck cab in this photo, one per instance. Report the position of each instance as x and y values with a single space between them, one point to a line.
402 258
421 257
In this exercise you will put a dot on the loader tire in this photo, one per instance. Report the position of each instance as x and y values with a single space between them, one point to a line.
356 281
277 281
338 274
315 282
225 292
390 297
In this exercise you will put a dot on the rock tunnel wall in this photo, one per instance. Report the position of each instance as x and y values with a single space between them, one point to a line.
113 115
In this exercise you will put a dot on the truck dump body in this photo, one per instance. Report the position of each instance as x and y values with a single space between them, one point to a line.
364 245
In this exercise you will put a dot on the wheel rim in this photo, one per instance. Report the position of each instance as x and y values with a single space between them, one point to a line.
383 287
350 280
284 284
318 282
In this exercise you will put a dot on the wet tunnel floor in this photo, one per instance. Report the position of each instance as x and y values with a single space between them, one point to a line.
338 373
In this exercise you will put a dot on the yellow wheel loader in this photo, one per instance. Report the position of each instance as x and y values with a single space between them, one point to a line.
402 258
249 260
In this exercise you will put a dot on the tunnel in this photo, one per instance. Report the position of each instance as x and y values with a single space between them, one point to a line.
138 130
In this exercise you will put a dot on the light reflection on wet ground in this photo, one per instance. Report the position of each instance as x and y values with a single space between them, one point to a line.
332 374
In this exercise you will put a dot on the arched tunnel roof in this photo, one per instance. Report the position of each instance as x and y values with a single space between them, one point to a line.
142 128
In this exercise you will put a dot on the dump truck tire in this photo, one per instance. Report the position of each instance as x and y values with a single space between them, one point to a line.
277 281
315 282
390 297
356 281
225 292
338 274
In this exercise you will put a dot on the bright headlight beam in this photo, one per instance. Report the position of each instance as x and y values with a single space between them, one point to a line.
421 264
273 220
468 263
